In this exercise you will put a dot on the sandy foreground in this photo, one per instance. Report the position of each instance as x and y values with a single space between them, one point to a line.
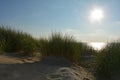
48 69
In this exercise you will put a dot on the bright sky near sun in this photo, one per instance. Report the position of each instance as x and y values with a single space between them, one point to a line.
96 15
86 20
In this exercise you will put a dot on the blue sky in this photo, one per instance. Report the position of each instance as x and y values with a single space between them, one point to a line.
41 17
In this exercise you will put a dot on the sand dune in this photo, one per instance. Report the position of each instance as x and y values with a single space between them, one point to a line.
48 69
9 60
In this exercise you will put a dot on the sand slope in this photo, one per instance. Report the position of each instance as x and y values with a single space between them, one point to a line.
47 69
9 60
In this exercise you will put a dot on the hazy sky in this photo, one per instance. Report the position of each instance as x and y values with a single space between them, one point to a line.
41 17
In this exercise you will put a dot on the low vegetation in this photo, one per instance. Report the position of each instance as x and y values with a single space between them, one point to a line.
16 41
59 45
55 45
108 60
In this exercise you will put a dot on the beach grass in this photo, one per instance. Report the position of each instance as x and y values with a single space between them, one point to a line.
61 46
57 44
15 41
108 60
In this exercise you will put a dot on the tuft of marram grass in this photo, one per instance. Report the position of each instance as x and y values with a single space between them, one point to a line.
16 41
61 46
108 60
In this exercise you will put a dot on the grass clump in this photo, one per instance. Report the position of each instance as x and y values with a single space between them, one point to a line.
108 60
16 41
59 45
2 46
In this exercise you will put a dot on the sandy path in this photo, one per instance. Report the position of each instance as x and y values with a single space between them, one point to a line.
9 60
48 69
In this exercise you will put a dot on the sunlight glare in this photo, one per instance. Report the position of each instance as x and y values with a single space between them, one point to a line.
97 45
96 15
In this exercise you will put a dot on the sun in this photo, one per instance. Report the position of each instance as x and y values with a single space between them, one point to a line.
96 15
